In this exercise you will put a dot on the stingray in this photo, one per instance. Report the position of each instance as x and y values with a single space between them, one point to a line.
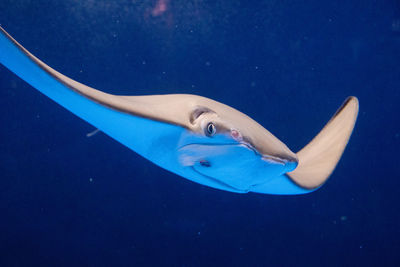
192 136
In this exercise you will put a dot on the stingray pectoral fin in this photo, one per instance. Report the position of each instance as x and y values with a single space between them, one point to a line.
318 159
134 121
76 97
71 94
60 88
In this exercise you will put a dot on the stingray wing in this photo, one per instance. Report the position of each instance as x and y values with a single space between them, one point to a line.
135 121
319 158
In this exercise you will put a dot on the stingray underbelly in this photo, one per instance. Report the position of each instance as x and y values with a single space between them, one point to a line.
232 164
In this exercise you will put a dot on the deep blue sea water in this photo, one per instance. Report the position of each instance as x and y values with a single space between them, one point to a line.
70 200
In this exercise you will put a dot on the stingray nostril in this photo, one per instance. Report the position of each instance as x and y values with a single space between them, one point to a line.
236 135
205 163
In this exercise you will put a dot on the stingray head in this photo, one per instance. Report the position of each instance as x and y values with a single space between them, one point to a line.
233 149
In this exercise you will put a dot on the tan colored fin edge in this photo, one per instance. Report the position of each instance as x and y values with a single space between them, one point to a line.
318 159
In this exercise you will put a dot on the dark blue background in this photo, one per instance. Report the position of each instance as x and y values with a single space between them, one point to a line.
66 199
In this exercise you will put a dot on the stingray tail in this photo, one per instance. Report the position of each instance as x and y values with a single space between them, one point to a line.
318 159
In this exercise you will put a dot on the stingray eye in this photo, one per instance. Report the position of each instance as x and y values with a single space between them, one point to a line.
210 131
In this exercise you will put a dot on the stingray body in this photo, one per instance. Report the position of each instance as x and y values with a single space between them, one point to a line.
195 137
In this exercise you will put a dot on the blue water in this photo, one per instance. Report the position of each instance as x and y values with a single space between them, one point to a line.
70 200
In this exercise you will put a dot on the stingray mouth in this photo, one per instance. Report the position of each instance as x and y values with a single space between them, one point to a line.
249 146
273 160
289 163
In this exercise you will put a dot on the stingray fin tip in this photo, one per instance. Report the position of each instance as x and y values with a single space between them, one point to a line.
318 159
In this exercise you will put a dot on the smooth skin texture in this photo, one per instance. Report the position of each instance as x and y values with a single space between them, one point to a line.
195 137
